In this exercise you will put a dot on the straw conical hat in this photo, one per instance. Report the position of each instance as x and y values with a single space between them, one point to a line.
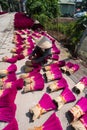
44 43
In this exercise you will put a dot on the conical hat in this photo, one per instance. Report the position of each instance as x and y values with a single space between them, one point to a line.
45 43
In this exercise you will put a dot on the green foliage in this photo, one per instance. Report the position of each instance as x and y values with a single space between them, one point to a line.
42 18
52 27
74 31
62 27
77 30
4 4
35 7
44 11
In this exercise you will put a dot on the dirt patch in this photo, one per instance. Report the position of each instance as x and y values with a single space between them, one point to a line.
58 36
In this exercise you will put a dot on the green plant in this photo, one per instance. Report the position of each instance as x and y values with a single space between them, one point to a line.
74 32
44 11
4 4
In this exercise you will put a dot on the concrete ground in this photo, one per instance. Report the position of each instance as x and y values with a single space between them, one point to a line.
26 101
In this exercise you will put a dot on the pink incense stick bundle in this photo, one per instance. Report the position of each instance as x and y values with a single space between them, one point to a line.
7 98
61 63
79 109
67 66
7 113
33 73
80 124
45 104
11 69
73 69
24 36
30 63
54 65
20 56
19 43
65 97
17 32
25 21
26 31
84 80
27 51
14 58
28 69
35 35
57 85
70 68
81 85
17 38
17 50
11 60
49 67
9 92
32 77
52 123
30 42
55 49
19 83
10 77
22 31
31 68
13 125
33 83
54 74
55 57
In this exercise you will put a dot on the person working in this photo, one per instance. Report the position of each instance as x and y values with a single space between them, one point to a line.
42 50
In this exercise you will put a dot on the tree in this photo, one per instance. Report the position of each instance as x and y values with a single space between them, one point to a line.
73 37
4 5
44 11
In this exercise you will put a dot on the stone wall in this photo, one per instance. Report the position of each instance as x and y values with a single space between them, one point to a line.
82 49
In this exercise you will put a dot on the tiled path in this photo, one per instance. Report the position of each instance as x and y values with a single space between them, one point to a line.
25 101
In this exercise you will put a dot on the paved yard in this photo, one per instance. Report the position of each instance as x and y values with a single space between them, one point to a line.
25 101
